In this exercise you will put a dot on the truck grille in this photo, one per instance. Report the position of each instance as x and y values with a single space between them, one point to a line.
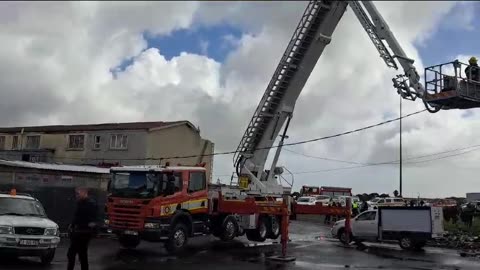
126 216
29 230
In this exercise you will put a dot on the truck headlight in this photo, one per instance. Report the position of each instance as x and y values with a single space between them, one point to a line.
52 232
6 230
152 225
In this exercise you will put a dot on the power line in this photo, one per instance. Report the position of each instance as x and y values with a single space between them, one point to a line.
307 141
323 158
391 162
383 163
260 148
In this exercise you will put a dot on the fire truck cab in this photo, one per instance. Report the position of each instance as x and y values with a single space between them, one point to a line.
171 204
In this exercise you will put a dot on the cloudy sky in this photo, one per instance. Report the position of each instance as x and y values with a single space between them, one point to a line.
209 62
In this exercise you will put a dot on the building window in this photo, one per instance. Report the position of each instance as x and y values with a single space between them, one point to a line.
118 141
96 142
15 145
33 142
2 142
76 141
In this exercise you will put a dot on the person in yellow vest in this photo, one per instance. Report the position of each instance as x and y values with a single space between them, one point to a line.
354 208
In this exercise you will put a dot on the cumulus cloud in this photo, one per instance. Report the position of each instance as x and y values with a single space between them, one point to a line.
57 60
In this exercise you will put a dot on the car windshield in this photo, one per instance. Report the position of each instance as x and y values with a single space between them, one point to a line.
304 199
21 207
375 200
323 197
144 184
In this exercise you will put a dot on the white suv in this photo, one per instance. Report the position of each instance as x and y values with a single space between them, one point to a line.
25 229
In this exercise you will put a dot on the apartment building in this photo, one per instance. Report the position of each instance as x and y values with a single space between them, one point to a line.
134 143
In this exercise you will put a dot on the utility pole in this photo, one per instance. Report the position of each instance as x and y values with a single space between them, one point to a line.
401 161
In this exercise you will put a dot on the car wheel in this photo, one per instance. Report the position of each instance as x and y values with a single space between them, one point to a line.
47 257
178 239
342 236
406 243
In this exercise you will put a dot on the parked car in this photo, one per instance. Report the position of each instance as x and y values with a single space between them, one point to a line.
25 229
306 200
323 199
411 227
377 202
343 200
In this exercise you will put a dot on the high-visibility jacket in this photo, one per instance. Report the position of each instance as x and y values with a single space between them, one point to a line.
355 205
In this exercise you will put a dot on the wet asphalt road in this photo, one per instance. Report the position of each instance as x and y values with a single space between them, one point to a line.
310 244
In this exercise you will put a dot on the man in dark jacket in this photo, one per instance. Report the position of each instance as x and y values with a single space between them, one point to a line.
473 70
82 229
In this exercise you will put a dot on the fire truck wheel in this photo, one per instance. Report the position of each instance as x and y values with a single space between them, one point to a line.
229 228
129 242
273 227
259 234
178 239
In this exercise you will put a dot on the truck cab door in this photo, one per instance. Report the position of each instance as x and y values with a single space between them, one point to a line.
197 192
365 225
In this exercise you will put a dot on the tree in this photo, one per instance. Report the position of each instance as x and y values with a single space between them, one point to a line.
395 193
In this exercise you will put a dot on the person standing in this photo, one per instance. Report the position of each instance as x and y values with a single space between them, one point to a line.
472 72
81 229
354 208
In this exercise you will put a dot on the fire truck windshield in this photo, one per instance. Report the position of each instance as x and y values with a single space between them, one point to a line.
144 184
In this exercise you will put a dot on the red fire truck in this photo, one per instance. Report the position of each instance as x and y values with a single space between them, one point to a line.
171 204
330 191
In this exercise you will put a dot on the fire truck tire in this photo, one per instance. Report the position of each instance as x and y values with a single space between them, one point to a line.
177 239
273 227
259 234
129 242
229 228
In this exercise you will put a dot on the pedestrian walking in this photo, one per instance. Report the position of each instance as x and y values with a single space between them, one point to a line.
82 229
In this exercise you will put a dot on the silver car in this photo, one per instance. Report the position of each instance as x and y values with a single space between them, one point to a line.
25 229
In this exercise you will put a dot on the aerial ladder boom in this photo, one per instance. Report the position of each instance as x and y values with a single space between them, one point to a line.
307 44
311 36
408 85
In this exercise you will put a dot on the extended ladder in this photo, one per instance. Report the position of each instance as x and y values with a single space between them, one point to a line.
300 42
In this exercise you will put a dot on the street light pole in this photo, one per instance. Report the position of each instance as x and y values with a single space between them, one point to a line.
401 146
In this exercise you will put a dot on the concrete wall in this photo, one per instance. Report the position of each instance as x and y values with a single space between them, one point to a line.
136 147
180 140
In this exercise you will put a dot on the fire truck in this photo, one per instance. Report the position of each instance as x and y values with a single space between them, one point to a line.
170 204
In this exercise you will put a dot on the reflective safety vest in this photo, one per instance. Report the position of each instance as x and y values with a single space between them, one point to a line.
355 205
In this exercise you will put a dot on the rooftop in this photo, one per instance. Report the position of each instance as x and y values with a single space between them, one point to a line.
54 167
157 168
95 127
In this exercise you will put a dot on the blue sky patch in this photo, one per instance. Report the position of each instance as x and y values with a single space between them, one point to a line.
453 36
214 41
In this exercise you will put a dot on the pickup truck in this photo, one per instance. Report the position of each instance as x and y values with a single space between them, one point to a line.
411 227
